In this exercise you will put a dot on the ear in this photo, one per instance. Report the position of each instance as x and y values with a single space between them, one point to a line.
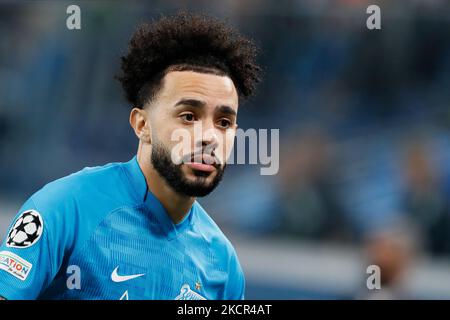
140 123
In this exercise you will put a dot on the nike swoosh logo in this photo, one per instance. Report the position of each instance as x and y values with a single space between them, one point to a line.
117 278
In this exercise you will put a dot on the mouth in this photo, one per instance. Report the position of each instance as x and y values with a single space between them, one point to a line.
202 162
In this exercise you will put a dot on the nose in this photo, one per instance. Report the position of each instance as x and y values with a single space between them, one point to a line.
209 137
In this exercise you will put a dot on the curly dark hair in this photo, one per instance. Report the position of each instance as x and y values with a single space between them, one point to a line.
186 41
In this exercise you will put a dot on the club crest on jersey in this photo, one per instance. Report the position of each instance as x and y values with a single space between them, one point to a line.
26 230
15 265
187 294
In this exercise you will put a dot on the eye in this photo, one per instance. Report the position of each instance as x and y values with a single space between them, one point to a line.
224 123
188 117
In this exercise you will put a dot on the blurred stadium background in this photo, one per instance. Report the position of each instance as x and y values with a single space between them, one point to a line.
364 121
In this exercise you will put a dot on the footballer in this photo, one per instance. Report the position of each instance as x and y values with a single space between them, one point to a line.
134 230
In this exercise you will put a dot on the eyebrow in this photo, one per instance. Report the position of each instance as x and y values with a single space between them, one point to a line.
190 102
226 110
199 104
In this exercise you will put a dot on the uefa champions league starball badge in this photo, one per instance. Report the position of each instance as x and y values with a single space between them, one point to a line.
26 230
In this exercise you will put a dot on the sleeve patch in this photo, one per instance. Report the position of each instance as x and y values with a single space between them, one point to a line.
15 265
26 230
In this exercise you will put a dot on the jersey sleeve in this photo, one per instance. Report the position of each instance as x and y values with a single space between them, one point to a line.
235 289
27 260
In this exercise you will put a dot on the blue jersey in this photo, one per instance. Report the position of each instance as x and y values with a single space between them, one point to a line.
101 234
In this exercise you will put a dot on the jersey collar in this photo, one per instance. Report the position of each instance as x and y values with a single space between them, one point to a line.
145 196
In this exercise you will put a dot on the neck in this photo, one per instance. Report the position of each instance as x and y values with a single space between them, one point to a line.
176 205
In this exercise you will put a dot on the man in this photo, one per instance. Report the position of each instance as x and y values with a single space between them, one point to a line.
134 230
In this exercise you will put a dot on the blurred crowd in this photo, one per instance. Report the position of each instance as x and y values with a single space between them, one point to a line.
363 115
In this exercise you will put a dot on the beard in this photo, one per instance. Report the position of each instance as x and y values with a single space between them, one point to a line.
173 175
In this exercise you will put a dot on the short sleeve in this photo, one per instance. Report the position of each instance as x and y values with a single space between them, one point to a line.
26 264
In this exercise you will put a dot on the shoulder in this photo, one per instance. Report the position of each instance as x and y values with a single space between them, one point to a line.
79 182
89 187
73 206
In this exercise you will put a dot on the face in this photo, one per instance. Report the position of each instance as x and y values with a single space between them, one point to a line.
193 121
